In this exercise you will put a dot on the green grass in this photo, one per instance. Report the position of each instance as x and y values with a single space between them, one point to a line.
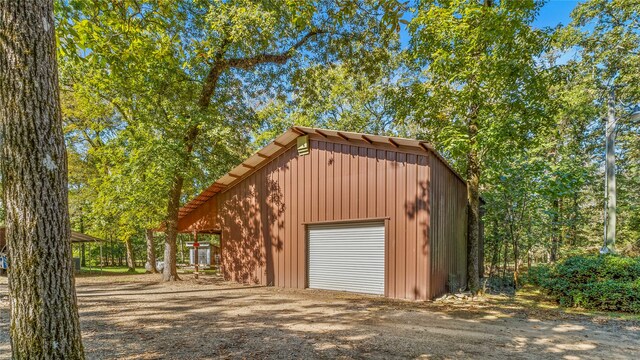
207 271
122 270
109 271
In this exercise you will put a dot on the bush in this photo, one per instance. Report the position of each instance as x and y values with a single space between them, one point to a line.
535 275
609 282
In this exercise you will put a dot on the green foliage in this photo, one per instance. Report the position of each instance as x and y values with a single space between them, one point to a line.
156 91
609 282
549 190
537 274
481 62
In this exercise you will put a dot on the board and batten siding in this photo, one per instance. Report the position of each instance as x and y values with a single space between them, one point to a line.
263 217
448 229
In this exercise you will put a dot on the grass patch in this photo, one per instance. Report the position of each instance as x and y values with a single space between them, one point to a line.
109 271
206 272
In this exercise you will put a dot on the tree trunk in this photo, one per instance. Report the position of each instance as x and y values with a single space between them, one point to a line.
516 257
170 272
555 236
83 257
131 260
44 312
151 252
505 259
473 195
111 250
610 176
495 249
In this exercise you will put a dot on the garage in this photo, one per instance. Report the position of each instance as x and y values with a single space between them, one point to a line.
347 257
342 211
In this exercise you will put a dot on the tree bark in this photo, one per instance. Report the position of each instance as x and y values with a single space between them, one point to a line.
170 272
112 252
131 259
555 236
505 259
473 197
495 249
44 313
610 176
83 258
151 252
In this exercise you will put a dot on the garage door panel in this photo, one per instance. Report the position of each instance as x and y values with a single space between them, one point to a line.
347 257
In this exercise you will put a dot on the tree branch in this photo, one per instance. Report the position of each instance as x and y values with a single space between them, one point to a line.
246 63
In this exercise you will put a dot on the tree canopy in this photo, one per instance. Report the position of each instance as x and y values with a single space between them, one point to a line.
161 98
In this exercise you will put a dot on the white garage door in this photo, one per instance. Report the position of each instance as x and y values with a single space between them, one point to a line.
347 257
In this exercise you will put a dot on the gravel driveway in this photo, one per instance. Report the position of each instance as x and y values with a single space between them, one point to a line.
137 317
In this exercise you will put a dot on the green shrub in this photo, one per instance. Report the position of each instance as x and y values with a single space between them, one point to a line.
535 275
608 282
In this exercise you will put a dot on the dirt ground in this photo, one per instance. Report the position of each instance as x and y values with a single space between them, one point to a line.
137 317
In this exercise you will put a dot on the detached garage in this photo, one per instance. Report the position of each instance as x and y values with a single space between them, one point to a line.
336 210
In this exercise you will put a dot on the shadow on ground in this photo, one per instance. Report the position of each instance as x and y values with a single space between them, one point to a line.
208 318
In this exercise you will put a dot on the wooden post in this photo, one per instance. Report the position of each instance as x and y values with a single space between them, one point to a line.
195 255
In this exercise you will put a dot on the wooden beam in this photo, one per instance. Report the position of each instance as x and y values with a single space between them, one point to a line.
422 145
248 166
298 131
341 135
262 155
234 175
320 133
394 143
278 144
365 138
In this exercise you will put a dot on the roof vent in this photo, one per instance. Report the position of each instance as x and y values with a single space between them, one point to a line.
303 145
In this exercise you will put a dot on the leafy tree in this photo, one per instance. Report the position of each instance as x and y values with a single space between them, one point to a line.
607 36
353 95
191 68
479 83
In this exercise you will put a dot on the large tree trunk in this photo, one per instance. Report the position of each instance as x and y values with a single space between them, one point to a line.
170 272
473 195
44 313
151 252
131 259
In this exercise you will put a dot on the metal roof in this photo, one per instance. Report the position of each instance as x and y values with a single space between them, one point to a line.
77 237
286 140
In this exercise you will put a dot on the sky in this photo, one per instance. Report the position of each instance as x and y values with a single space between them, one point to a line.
555 12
